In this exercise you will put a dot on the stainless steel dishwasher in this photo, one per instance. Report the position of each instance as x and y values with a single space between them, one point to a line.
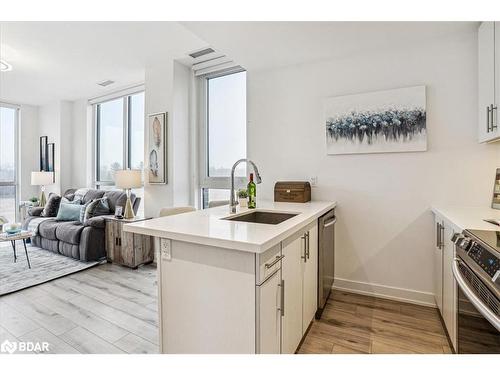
326 258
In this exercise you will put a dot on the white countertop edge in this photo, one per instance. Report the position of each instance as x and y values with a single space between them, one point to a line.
468 217
231 244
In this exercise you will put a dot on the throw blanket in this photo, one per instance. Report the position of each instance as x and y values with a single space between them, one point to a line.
34 223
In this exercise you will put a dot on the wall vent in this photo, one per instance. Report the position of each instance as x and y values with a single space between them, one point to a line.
202 52
105 83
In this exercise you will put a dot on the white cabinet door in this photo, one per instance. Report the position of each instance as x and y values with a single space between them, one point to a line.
486 81
496 121
449 284
269 319
310 283
438 264
291 273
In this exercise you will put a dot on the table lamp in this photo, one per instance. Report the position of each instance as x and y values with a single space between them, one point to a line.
128 179
42 179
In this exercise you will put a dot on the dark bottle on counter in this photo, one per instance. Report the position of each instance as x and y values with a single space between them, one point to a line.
252 191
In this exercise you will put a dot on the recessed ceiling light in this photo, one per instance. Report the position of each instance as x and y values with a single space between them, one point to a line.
5 66
105 83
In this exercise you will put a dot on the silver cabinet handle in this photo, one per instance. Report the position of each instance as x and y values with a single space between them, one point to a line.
442 236
282 299
304 237
488 119
308 239
278 258
438 235
493 117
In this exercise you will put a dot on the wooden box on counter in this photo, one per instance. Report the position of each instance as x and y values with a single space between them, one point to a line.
292 191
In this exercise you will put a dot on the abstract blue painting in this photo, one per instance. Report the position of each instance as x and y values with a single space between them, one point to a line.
375 122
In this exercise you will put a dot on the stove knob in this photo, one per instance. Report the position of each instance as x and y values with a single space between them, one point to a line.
465 243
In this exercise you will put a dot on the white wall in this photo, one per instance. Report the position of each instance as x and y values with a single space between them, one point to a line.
55 121
158 98
385 228
181 135
49 117
65 148
167 86
29 150
80 172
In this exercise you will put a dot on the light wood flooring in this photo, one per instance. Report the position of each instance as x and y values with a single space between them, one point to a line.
353 323
105 309
113 309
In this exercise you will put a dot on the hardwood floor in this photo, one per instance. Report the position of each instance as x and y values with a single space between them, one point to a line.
113 309
105 309
353 323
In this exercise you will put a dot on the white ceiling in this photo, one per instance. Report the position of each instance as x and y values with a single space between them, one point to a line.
65 60
265 45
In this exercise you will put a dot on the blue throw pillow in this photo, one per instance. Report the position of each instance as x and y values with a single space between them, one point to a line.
68 212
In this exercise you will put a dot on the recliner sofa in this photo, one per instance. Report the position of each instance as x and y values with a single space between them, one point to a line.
84 242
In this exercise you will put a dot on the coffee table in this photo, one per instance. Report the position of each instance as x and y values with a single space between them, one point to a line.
22 236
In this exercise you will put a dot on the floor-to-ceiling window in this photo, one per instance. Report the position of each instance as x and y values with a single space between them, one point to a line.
119 141
224 134
8 162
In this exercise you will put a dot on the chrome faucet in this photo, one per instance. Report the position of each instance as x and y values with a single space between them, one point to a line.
258 180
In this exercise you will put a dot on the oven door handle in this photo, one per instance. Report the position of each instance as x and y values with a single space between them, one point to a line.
478 304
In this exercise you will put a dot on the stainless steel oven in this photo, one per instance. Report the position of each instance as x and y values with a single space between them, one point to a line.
477 273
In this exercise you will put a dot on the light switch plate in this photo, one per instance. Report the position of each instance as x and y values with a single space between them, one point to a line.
165 249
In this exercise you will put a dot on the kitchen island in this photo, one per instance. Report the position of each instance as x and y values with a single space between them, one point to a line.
231 286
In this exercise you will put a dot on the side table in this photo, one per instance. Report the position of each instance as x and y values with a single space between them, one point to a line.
124 248
23 235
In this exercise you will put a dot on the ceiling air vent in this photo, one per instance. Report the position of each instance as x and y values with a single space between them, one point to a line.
105 83
203 52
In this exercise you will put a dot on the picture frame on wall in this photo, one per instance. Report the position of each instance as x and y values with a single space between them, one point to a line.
157 148
43 152
377 122
50 160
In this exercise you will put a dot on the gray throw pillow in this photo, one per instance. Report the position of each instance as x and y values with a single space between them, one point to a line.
83 208
71 201
97 207
52 206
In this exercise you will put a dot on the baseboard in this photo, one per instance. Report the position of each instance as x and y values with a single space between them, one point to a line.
384 291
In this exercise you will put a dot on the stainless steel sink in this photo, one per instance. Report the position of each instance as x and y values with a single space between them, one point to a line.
262 217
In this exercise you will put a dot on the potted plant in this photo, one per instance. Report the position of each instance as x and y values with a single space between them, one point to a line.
34 201
243 197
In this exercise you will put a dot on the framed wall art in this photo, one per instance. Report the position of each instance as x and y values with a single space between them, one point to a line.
157 148
50 159
43 152
374 122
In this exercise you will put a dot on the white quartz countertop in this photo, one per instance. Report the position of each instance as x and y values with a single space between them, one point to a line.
206 227
468 217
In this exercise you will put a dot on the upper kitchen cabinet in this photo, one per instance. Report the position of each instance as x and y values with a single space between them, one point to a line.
488 81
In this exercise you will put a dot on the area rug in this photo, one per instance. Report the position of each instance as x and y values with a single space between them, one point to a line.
45 266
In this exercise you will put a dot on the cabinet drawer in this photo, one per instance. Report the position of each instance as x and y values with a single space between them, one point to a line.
267 263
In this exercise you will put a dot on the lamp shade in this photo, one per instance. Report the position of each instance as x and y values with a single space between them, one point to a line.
42 178
128 179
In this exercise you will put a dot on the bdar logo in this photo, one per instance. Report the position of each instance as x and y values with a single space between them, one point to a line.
8 347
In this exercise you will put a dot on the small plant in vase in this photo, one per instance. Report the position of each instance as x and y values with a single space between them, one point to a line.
243 197
34 201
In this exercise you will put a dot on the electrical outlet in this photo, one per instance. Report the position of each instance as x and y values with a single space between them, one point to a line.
313 180
165 249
